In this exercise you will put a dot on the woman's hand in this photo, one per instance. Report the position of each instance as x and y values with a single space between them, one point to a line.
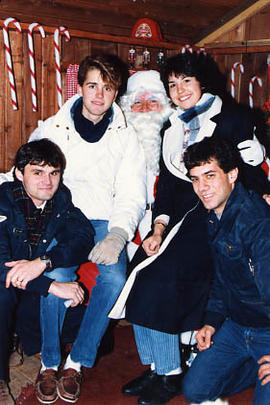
152 244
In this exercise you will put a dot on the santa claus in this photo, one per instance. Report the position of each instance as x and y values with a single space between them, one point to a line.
146 107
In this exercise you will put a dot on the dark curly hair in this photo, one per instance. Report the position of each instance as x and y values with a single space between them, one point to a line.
198 65
226 154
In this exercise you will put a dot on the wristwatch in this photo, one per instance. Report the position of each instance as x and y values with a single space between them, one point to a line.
46 260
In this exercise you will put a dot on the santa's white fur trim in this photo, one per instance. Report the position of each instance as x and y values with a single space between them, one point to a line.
140 83
146 79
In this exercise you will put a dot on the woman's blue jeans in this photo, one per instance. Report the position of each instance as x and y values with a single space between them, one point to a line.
159 348
109 283
230 365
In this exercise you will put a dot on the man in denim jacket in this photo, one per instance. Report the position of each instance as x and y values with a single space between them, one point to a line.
236 336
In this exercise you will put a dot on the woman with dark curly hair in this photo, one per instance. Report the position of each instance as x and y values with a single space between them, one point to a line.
173 269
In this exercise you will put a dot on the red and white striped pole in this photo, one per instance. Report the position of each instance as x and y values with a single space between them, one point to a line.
241 67
251 88
9 59
57 32
32 61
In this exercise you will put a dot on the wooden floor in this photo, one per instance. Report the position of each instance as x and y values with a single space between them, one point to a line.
102 384
24 375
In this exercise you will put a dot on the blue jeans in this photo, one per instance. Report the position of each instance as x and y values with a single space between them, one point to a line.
109 283
157 347
230 365
52 315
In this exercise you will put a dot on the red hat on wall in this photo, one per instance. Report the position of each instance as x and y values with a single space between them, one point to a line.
147 29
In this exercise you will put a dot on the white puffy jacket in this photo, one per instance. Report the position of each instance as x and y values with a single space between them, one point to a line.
107 179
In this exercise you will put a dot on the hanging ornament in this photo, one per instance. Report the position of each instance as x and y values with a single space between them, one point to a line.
146 28
131 57
146 58
160 58
186 48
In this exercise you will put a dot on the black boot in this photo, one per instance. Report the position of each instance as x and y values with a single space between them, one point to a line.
135 387
164 388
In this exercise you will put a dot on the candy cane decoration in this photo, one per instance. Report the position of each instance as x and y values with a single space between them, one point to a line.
9 60
201 50
186 48
250 88
241 67
57 32
32 61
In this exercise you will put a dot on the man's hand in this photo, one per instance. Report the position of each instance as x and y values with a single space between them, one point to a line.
204 336
70 291
267 198
264 370
152 244
108 250
23 271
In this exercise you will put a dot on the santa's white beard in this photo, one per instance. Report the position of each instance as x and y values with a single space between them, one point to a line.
147 127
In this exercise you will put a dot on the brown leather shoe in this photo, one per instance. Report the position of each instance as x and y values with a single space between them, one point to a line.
46 386
69 385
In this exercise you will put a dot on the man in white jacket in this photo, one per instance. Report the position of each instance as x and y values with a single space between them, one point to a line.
105 172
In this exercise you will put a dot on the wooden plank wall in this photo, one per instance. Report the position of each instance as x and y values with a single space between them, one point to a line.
16 126
254 31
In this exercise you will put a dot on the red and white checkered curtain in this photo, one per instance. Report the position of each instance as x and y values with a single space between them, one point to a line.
71 80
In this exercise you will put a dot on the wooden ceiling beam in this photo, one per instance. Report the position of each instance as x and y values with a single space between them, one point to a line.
177 20
231 20
151 8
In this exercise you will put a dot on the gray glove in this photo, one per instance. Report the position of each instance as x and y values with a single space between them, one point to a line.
107 251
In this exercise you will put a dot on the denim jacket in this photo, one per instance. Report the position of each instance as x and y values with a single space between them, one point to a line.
240 244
